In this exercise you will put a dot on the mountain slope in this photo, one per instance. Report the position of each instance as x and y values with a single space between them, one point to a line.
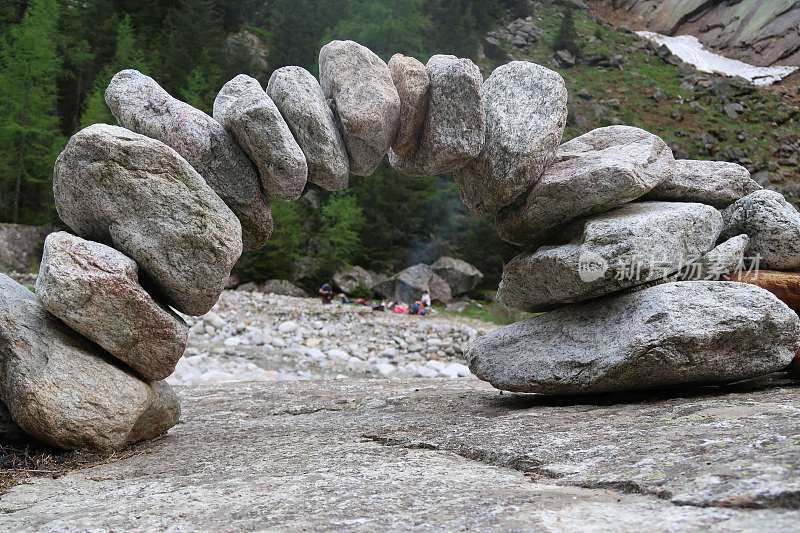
619 78
760 32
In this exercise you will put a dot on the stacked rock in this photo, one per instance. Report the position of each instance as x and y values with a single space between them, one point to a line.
162 207
628 251
83 361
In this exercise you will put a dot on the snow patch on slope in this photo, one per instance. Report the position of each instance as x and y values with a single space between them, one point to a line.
690 50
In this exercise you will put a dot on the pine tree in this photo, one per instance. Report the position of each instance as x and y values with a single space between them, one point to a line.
567 37
275 259
338 241
386 27
198 91
29 124
126 55
192 41
299 28
459 25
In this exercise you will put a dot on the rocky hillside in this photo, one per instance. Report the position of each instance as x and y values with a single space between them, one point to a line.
759 32
615 77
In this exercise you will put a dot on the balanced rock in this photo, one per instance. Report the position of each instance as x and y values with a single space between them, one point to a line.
298 96
632 245
409 284
412 82
773 225
137 194
64 391
95 290
526 111
694 332
593 173
716 183
459 275
252 118
784 285
359 87
141 105
455 123
350 279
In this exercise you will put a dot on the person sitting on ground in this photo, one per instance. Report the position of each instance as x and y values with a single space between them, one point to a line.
417 308
426 301
326 293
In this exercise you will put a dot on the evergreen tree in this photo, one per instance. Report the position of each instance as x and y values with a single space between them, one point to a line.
299 28
76 79
459 25
198 91
11 11
567 37
339 238
275 259
398 211
126 55
386 27
29 126
192 42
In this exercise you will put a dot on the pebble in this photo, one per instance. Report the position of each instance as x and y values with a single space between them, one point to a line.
255 336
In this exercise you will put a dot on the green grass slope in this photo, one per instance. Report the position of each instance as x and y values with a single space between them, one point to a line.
686 108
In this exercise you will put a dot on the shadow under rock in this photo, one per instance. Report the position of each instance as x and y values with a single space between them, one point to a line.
512 401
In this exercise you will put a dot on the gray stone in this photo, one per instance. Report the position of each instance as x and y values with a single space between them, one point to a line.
526 111
351 279
21 247
714 183
299 98
773 225
455 123
440 289
63 391
255 123
453 455
724 259
691 332
733 110
360 90
282 287
95 290
412 82
727 258
137 194
459 275
141 105
565 58
409 284
304 268
630 246
249 50
593 173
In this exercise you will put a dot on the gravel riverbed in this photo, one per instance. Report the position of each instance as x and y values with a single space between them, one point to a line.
250 336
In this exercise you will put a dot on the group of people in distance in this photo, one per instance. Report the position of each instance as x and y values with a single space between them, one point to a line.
421 307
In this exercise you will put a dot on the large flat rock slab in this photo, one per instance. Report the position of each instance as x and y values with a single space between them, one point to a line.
442 454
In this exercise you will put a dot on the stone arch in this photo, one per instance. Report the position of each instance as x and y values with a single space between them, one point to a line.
172 196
